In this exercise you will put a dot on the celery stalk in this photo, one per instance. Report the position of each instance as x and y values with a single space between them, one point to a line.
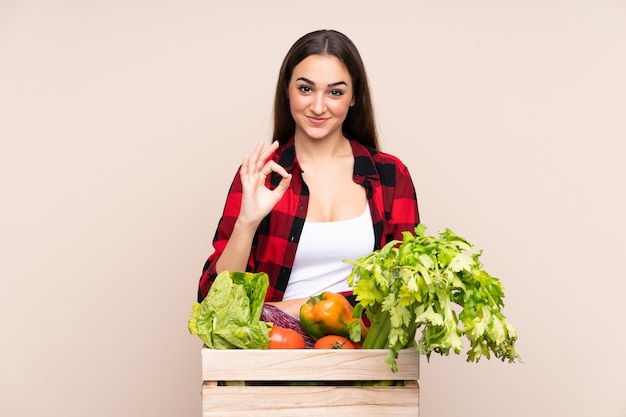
412 284
378 332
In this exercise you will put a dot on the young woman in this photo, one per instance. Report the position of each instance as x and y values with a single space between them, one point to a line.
322 192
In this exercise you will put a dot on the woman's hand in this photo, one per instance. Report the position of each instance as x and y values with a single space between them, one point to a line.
257 200
291 307
256 203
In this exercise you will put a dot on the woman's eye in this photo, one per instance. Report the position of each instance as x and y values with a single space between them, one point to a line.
336 93
304 88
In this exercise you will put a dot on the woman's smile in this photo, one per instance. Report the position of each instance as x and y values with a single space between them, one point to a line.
316 120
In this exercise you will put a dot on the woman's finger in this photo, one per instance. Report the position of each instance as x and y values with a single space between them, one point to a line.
273 166
262 157
269 151
254 159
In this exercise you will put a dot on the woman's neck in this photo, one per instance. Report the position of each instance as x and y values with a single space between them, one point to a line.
323 149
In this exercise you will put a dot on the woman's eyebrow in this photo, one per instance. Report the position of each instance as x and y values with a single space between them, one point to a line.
306 80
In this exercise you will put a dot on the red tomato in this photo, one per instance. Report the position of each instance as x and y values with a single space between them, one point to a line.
281 338
332 341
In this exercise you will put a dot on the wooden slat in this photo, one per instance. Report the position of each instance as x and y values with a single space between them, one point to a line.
306 401
306 364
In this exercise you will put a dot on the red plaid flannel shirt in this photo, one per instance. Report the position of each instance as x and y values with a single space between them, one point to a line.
390 193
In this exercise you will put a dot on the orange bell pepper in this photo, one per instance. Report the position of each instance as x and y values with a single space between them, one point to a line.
328 314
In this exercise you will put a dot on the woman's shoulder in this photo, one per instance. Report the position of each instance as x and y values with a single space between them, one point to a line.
377 156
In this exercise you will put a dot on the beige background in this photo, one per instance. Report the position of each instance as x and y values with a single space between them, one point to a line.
122 123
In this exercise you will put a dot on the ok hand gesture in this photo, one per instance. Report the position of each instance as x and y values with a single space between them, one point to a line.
257 200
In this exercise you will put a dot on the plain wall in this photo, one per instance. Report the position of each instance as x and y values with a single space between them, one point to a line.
123 122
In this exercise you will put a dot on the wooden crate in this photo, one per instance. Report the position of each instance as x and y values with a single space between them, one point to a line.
336 369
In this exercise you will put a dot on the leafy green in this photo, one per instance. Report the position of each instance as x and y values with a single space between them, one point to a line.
420 283
229 316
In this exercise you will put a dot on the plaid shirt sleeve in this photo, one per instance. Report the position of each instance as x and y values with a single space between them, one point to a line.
401 212
276 240
222 234
391 193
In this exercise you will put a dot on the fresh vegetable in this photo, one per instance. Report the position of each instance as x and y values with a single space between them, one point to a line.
278 317
229 316
332 341
281 338
416 284
329 313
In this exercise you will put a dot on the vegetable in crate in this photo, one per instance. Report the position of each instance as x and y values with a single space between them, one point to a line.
329 313
283 338
229 316
276 316
332 341
415 284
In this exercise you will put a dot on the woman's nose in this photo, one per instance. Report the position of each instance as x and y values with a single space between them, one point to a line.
318 105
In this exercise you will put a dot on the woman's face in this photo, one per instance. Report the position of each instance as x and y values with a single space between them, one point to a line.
320 95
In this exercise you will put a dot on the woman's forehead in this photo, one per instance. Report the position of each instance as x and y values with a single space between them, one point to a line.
323 69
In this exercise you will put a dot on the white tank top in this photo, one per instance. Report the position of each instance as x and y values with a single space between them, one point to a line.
319 263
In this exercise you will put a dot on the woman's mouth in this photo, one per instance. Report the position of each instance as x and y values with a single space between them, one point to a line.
316 120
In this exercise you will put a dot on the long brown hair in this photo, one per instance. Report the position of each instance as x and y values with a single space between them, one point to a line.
359 124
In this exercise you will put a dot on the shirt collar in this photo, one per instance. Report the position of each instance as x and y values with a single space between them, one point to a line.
286 155
363 161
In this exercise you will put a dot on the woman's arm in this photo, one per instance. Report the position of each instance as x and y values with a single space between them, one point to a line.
247 203
403 205
256 202
291 307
